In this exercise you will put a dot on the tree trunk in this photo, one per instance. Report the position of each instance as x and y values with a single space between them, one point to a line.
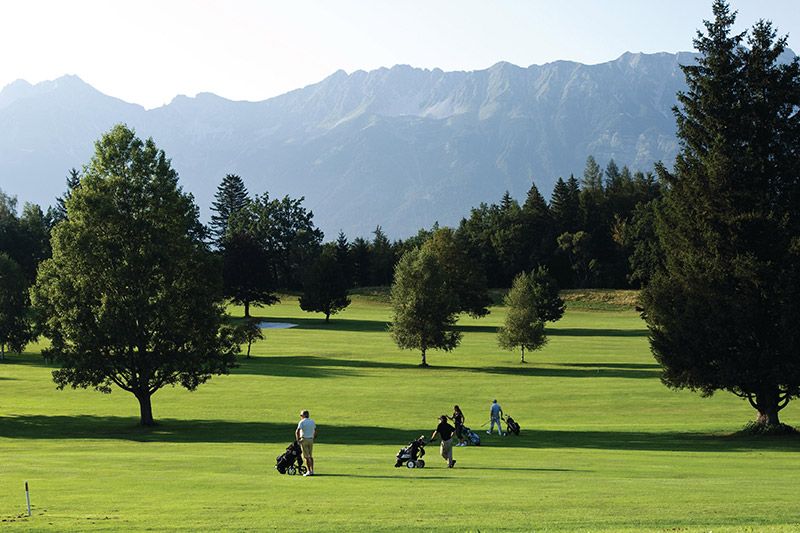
327 316
522 358
2 351
424 361
247 309
767 405
145 409
249 343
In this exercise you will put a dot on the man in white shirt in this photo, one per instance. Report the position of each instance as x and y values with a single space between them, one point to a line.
305 434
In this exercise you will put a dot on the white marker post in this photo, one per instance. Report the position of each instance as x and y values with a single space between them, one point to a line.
28 498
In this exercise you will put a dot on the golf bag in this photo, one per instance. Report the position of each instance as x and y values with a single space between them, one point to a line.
470 437
411 455
291 461
511 426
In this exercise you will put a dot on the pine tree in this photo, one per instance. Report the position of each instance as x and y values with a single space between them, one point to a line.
361 261
565 205
343 258
593 175
382 259
230 198
59 212
538 227
724 310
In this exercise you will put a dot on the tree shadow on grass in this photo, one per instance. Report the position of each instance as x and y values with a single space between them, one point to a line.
310 366
626 366
599 370
27 359
592 332
35 427
191 431
670 441
373 326
464 328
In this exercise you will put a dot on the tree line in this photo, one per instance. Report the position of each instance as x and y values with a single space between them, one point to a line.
588 235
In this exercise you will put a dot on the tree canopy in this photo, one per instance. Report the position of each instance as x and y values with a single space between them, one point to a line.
523 327
132 296
16 329
325 286
423 314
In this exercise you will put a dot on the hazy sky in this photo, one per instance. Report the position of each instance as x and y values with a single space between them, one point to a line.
147 51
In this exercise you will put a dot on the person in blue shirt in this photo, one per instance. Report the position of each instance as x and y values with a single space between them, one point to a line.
495 414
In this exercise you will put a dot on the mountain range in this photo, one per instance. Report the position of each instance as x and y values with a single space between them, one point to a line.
399 147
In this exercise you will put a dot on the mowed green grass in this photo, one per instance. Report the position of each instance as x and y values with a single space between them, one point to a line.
605 446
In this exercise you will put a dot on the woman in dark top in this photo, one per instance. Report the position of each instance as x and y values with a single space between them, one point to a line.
458 421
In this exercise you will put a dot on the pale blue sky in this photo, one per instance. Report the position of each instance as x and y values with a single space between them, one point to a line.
148 51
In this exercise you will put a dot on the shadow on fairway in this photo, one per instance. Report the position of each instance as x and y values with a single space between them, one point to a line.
310 366
221 431
580 370
379 326
672 441
591 332
189 431
27 359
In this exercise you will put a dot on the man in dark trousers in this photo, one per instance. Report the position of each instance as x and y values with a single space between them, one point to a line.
445 431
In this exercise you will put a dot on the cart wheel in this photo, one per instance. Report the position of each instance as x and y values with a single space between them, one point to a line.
420 464
291 471
302 469
411 464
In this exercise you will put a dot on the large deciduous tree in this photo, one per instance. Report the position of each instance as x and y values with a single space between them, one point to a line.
466 281
325 286
132 296
724 308
247 276
423 311
286 231
15 325
523 327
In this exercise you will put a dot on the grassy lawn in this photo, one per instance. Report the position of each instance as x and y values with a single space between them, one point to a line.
604 446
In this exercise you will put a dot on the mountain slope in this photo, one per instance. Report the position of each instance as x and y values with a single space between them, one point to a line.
401 147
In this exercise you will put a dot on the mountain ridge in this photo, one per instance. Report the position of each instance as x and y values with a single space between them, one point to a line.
399 147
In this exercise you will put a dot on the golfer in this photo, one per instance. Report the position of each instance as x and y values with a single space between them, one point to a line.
495 413
458 421
305 434
445 431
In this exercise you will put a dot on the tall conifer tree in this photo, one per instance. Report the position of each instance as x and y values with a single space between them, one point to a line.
724 310
230 198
